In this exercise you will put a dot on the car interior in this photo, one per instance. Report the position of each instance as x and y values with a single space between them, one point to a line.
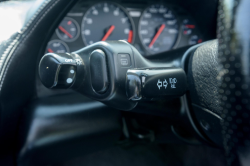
124 83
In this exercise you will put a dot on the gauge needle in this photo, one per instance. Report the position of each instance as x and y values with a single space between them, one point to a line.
190 26
64 31
130 36
49 50
156 35
108 33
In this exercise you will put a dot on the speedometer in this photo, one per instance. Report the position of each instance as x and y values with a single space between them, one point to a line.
158 29
106 21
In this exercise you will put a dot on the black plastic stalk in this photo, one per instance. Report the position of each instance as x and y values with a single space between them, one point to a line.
102 74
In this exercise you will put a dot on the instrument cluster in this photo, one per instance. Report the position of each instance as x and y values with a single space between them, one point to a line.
152 29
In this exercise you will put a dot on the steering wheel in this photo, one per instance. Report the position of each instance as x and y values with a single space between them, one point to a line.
234 74
218 74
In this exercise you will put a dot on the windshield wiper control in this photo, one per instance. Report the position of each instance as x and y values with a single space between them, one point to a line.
155 83
112 72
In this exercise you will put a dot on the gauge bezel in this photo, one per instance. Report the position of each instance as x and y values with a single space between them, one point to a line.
60 41
118 5
178 22
77 27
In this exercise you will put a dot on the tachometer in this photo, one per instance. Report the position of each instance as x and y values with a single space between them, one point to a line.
158 28
106 21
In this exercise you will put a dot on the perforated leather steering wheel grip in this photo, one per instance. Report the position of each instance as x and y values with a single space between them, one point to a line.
234 74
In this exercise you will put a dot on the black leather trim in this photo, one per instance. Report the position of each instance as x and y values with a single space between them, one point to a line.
201 66
21 10
7 49
18 71
202 76
187 100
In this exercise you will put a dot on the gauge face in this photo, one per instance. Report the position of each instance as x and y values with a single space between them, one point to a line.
194 39
158 29
188 27
57 46
106 21
68 30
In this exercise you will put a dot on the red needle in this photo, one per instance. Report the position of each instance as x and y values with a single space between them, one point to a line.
156 35
130 36
64 31
190 26
49 50
108 33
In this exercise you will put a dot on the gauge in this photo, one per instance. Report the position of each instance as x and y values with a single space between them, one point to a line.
106 21
158 28
68 30
190 32
57 46
194 39
188 27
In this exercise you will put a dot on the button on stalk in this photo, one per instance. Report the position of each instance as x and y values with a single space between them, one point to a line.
58 70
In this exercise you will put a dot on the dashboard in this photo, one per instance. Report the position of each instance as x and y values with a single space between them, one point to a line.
150 27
